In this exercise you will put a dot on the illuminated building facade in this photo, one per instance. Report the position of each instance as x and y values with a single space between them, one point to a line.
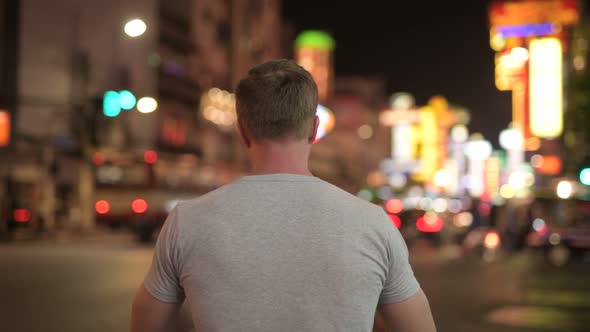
314 52
529 38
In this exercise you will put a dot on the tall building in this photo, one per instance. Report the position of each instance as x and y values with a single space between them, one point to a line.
73 51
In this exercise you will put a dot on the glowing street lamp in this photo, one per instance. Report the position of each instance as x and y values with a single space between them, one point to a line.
147 105
564 189
135 28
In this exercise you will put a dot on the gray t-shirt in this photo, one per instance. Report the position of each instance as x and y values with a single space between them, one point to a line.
280 252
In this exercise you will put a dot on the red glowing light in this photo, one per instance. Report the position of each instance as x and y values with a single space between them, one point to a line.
491 240
98 158
394 206
484 209
150 156
102 207
22 215
542 230
139 205
429 223
395 220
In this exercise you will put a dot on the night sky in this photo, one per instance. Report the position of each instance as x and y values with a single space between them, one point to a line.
422 47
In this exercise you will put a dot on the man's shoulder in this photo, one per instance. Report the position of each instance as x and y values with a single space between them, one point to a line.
355 205
206 199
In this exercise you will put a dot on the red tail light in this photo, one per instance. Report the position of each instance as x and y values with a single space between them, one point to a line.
395 220
22 215
150 156
102 207
429 223
139 205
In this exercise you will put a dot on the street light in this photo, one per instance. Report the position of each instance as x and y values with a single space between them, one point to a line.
147 105
135 28
565 189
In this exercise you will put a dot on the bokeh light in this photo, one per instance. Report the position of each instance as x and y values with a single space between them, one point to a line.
429 223
442 178
135 28
21 215
395 220
394 206
139 205
150 156
147 105
102 207
491 240
564 189
326 121
365 132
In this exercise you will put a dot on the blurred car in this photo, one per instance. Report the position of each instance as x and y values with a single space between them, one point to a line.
143 213
418 226
560 229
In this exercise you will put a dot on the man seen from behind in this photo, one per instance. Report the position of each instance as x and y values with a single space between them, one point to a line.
280 250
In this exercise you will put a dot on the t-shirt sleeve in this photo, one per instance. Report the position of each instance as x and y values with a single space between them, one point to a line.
163 278
400 283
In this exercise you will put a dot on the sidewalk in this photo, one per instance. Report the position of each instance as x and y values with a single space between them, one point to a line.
99 236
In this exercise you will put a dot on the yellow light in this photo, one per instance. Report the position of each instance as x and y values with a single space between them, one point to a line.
507 192
497 41
429 151
546 95
442 178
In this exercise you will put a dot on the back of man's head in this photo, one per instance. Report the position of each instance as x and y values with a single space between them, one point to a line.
277 100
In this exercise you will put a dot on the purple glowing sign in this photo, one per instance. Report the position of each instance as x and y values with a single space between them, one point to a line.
526 30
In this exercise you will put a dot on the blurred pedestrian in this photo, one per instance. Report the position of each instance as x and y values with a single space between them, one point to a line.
280 250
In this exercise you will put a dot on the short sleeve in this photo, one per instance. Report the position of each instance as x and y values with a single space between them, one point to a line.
400 283
162 280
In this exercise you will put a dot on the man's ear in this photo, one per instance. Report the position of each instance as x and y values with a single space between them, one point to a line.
314 132
243 135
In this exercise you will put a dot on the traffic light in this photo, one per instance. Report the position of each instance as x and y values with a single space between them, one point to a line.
585 176
127 100
113 102
110 104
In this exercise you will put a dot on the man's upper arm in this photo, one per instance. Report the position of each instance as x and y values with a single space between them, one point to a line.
410 315
148 314
163 278
400 282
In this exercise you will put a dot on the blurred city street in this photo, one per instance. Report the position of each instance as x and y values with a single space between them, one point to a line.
467 122
88 285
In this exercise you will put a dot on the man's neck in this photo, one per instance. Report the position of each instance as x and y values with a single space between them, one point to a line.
290 157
